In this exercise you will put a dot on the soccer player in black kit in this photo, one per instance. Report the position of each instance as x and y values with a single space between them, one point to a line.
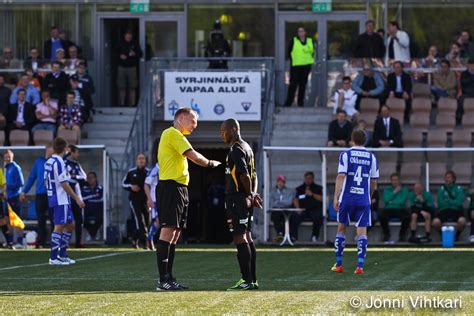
241 198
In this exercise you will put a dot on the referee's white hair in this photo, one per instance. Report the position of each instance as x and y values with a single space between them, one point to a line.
185 111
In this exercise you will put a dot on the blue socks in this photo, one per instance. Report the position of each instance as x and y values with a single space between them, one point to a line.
152 231
339 245
55 245
361 250
65 239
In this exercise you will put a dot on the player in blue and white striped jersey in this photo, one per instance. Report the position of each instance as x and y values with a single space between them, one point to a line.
151 181
356 181
59 199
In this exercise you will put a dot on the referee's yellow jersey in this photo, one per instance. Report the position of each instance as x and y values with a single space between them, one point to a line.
173 164
2 177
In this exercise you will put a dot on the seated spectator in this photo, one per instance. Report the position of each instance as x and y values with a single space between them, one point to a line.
422 207
432 59
46 113
467 89
399 86
21 114
32 94
35 79
450 204
395 205
467 47
86 85
362 125
340 130
5 93
387 131
33 61
346 98
57 82
70 114
81 98
280 197
309 196
73 62
445 83
61 56
368 84
8 61
93 194
454 55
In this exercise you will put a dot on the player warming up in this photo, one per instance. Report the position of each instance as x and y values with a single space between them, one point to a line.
172 198
356 181
241 198
59 199
151 181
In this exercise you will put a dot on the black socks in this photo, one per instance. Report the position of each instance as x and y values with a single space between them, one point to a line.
171 259
253 262
162 258
244 256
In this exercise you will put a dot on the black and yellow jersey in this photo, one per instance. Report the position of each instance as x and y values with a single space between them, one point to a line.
240 160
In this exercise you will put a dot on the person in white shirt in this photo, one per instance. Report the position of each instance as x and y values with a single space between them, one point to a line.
345 98
398 44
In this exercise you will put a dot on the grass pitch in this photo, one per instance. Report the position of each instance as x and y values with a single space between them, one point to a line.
292 280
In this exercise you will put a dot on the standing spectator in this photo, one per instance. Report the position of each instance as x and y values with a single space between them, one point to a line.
454 55
217 46
387 131
127 78
43 211
395 200
381 32
398 47
369 44
46 113
53 44
467 89
134 182
280 197
432 59
309 196
86 85
422 206
93 195
467 46
70 114
340 131
346 98
33 61
445 83
301 54
14 184
5 94
399 86
8 61
67 42
57 82
450 204
77 180
81 98
32 94
368 84
21 114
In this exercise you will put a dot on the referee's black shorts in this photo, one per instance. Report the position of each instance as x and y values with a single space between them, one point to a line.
172 200
239 216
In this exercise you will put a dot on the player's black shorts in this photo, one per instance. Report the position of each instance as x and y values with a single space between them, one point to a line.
3 210
417 210
239 217
172 200
450 215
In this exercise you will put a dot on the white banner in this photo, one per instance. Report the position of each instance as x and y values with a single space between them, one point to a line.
215 96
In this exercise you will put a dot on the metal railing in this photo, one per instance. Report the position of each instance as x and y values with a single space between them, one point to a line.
429 156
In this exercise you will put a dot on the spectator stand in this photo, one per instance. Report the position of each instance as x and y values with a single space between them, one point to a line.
427 165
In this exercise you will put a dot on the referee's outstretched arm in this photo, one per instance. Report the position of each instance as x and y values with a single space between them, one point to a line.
200 160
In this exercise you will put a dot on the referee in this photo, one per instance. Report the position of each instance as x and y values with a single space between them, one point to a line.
172 190
241 197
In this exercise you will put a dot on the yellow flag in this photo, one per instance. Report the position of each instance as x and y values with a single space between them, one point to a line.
15 220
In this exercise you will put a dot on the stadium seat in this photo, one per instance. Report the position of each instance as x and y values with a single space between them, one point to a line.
2 137
19 138
463 172
413 137
420 120
437 171
396 104
369 105
421 105
71 136
437 138
462 137
421 90
469 105
410 172
446 121
42 137
447 105
369 118
385 171
468 120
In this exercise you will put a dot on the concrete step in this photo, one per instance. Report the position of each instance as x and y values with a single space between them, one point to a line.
109 141
113 119
299 133
116 111
109 126
302 142
314 119
304 110
109 134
